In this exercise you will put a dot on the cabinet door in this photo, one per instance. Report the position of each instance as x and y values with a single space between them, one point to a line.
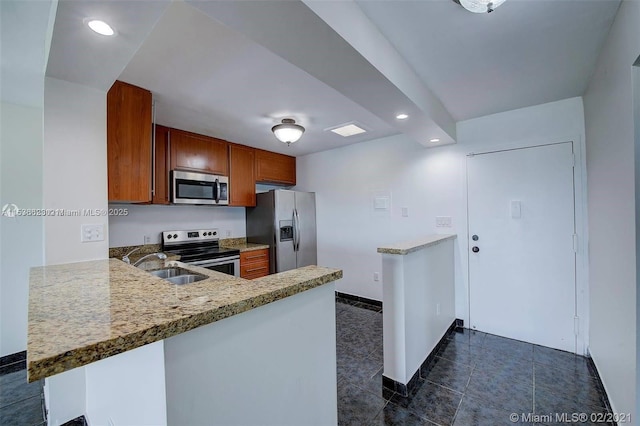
275 168
161 171
242 180
190 151
129 143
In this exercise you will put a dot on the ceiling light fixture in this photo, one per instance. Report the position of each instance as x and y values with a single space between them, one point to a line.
101 27
434 140
288 132
348 130
402 116
480 6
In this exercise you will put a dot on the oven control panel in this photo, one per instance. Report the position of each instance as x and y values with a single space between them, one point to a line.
196 235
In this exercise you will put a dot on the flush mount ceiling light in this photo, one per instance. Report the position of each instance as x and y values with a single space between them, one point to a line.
480 6
100 27
434 140
348 130
288 132
402 116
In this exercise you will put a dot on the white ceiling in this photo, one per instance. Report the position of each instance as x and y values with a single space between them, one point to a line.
526 52
209 79
234 69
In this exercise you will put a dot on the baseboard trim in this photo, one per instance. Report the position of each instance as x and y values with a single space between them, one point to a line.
406 389
358 299
78 421
13 358
13 362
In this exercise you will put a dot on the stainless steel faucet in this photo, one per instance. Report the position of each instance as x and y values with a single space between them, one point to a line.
160 256
126 259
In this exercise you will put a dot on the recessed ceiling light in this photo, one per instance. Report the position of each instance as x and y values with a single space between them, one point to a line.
402 116
348 130
101 27
434 140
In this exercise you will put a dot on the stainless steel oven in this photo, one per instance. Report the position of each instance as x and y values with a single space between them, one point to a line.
227 265
201 247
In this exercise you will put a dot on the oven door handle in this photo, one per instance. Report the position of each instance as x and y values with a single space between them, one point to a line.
213 262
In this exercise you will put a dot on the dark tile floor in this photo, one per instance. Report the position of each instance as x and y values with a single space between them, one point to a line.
21 403
476 379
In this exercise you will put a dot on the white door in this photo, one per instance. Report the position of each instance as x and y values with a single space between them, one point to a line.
521 244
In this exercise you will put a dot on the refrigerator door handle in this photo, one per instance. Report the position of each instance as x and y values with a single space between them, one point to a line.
296 230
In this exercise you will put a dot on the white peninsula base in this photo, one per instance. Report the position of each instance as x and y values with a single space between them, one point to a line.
418 291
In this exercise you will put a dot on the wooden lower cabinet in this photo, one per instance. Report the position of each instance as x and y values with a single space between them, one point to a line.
254 264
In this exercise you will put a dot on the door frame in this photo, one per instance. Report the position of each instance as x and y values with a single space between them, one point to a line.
581 225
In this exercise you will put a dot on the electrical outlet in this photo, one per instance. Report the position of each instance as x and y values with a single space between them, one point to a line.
91 233
376 276
147 239
437 309
228 233
405 212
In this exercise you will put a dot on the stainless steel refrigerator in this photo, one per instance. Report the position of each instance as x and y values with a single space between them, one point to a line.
286 220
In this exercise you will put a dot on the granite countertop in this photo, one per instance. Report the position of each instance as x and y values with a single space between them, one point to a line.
83 312
415 245
242 244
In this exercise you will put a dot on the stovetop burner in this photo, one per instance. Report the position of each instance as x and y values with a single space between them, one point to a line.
195 245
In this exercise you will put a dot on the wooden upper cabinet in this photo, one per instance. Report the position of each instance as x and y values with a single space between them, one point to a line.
275 168
242 178
161 175
129 143
193 152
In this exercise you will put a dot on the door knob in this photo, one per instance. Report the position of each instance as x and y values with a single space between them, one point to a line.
475 249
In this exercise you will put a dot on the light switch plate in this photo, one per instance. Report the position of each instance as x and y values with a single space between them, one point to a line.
381 203
443 221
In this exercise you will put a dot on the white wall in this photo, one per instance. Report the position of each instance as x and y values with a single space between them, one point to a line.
610 165
429 182
150 220
22 236
273 365
128 388
24 34
75 177
75 168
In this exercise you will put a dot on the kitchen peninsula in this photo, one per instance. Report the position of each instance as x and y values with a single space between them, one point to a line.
226 350
418 294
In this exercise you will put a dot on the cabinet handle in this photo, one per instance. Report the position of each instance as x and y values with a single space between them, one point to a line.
168 158
256 269
256 257
153 151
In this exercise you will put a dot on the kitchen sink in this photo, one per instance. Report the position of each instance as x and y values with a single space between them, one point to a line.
170 272
186 279
178 276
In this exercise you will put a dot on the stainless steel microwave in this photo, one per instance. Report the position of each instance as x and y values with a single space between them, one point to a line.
199 188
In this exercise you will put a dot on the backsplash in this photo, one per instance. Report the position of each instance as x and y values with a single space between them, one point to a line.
150 220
